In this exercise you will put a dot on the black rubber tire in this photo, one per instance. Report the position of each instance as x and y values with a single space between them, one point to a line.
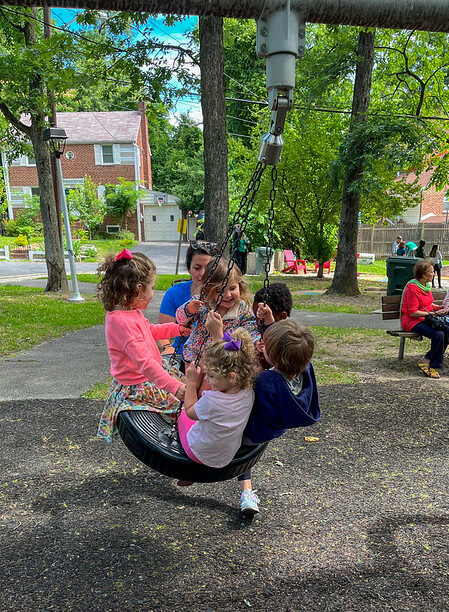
147 436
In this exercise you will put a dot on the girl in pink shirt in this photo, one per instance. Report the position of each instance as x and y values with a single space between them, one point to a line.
139 380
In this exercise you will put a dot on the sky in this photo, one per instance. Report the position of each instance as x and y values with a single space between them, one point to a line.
175 34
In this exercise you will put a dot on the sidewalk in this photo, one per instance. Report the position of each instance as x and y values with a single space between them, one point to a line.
70 365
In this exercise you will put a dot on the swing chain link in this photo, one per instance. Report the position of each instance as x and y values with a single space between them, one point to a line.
266 282
240 217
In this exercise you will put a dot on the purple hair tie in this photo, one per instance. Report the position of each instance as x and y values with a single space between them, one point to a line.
231 345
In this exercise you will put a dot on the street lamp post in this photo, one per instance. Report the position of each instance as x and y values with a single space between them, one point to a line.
56 137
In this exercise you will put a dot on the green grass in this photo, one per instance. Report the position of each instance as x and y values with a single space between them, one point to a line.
378 267
99 391
29 316
163 281
331 308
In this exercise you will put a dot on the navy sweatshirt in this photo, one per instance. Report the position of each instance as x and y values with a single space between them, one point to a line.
277 409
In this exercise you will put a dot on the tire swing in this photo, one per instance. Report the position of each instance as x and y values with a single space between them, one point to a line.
147 435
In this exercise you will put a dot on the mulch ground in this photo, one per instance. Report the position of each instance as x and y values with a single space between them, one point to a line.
357 520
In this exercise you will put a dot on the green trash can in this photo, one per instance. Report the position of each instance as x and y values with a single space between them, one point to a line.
399 272
261 258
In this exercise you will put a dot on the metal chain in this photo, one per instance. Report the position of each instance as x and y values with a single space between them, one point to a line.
241 216
266 282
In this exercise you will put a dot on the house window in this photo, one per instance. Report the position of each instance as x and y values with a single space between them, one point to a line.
127 155
17 197
107 154
24 160
112 229
35 192
172 217
71 184
154 217
446 202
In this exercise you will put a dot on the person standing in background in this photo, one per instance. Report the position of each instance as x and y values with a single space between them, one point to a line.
394 248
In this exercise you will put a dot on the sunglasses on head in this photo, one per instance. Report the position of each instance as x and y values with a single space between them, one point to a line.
210 247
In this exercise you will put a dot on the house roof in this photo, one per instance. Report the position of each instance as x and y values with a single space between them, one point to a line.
114 126
97 127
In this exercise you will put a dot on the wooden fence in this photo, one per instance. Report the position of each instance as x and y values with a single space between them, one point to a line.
379 239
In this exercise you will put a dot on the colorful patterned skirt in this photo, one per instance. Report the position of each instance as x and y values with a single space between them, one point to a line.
144 396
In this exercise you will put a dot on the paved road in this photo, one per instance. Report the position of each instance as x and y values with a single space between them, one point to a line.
163 255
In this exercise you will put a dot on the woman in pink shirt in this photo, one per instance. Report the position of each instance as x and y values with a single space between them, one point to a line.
417 303
139 380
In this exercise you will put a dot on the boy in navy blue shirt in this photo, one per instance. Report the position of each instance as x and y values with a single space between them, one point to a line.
286 391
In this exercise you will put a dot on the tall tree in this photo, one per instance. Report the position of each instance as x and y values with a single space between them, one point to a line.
345 276
216 203
24 75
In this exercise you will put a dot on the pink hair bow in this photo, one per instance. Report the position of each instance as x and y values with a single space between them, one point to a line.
231 345
125 254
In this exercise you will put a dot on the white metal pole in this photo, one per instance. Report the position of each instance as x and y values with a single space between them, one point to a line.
76 297
137 179
7 188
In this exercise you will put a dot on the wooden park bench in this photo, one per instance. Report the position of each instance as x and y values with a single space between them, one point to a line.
390 310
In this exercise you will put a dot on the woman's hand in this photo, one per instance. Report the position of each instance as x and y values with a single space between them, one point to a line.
214 325
180 393
194 306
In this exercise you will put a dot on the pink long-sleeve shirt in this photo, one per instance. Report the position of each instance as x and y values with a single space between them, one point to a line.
133 351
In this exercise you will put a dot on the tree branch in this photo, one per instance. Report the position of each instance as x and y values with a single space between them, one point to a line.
13 119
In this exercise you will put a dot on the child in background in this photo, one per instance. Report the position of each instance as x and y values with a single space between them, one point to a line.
234 309
139 380
210 428
401 250
286 395
437 259
279 298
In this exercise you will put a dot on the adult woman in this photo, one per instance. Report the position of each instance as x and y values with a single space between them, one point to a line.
197 257
417 302
437 259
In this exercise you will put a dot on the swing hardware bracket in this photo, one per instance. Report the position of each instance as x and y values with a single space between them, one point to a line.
281 40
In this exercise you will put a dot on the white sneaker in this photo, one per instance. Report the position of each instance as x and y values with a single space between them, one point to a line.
249 503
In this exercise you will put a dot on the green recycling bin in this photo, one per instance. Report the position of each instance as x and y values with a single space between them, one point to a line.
399 272
261 258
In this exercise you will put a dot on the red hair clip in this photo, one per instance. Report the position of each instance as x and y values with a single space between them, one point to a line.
125 254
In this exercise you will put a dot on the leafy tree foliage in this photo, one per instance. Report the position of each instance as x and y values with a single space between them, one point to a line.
121 200
85 205
177 161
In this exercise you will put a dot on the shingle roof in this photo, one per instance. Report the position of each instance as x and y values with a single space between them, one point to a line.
95 127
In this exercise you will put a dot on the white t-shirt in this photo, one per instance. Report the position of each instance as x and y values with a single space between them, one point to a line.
217 435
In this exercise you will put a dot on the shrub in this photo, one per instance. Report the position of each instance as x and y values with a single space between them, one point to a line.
126 243
124 235
21 240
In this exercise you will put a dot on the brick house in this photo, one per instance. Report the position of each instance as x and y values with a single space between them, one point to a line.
105 146
434 205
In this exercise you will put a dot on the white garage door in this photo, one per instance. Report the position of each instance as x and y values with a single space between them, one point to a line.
161 222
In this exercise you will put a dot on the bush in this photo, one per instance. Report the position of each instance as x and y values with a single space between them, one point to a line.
124 235
21 240
16 228
80 234
126 243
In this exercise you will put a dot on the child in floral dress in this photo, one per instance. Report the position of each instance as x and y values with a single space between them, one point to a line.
139 380
234 309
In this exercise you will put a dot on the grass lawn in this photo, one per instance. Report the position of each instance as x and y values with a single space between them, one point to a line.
342 357
29 316
163 281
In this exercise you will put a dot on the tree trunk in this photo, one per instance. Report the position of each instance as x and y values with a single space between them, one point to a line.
345 276
320 273
57 278
216 203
